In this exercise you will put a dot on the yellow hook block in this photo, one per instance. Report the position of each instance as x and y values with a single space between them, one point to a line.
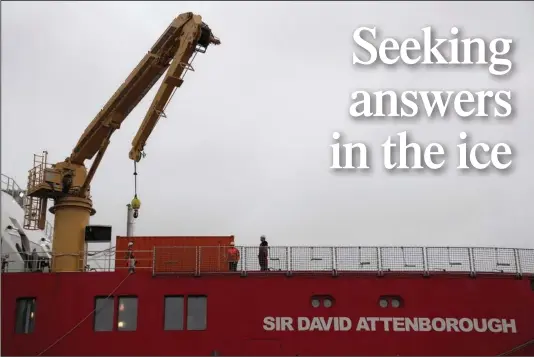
136 203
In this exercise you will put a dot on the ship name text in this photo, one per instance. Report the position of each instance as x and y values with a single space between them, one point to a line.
395 324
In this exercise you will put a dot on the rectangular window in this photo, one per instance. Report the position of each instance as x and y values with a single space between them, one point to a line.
174 313
127 313
103 314
25 318
197 313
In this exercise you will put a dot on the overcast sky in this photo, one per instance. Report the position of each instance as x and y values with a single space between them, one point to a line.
244 149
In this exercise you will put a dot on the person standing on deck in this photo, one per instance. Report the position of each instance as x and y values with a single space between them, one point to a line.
233 257
263 254
130 258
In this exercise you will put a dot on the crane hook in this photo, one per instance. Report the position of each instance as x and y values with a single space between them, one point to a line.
136 204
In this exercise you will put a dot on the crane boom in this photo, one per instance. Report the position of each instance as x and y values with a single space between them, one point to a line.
177 44
173 79
68 182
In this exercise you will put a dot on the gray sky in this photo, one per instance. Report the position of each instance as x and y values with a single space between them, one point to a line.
245 147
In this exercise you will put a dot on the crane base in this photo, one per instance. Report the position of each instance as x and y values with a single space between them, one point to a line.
68 246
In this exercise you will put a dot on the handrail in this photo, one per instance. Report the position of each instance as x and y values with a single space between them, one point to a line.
331 260
354 259
10 186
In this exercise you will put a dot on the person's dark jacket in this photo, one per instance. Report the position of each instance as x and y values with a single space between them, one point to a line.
263 249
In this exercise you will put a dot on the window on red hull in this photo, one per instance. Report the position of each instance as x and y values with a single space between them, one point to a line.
25 315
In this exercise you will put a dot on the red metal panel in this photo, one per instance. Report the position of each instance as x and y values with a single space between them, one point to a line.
174 259
237 306
262 348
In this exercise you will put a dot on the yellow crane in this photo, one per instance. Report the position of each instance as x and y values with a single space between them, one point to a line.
68 182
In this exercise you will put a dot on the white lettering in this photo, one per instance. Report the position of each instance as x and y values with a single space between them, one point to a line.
394 324
433 104
304 324
362 325
345 324
286 323
466 325
503 104
482 328
412 325
403 154
506 325
324 324
452 325
349 148
365 45
271 323
424 324
390 51
373 321
485 148
268 323
386 321
494 325
438 324
398 324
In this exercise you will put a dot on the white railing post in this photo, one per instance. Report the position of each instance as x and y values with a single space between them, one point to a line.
288 260
379 259
244 261
472 268
517 261
426 268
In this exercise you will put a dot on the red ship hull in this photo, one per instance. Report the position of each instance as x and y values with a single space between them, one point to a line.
238 311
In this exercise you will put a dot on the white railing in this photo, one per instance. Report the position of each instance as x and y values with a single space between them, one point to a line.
331 260
339 260
10 187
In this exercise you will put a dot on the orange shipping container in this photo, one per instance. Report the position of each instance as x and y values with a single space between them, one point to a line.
174 254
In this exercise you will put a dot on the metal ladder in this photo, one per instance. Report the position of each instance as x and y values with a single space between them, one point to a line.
33 205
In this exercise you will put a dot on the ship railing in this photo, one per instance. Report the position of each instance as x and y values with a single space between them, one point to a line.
343 260
10 187
91 261
296 260
17 262
18 194
112 260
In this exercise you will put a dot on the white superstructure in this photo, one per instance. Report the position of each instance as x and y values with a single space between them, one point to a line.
21 250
